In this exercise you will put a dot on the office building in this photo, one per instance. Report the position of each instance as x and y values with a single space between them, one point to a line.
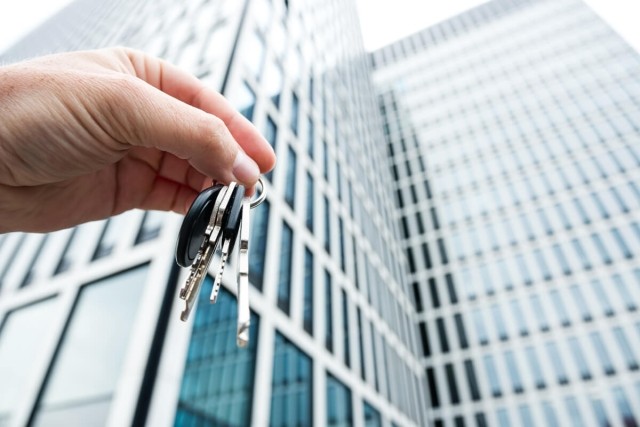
514 137
90 328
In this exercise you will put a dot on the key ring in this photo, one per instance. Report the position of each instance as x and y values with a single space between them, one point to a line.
263 195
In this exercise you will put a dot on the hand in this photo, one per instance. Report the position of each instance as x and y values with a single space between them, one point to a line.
87 135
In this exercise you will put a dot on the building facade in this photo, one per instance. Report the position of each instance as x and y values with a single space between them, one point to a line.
90 331
514 137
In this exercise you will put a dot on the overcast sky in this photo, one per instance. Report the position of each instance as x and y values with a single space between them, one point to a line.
383 21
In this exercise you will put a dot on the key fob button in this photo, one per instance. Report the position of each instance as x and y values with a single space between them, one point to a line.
195 225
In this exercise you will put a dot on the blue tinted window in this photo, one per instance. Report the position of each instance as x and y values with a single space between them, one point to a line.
556 362
345 329
514 373
284 281
295 107
625 348
339 412
291 386
578 357
360 334
290 180
246 101
534 365
601 297
603 354
492 375
328 311
623 291
307 309
218 377
574 412
626 414
452 386
559 307
481 330
327 225
525 416
474 389
580 303
151 226
600 413
550 415
258 246
371 416
310 203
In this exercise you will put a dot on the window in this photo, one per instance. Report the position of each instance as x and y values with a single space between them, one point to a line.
501 325
339 412
451 288
525 416
290 180
310 203
345 329
623 291
258 247
307 308
601 297
538 310
559 307
371 416
536 370
603 354
416 295
310 138
550 415
433 388
574 412
273 79
110 234
22 337
291 386
474 389
578 357
481 330
328 312
151 226
271 132
627 352
76 251
624 248
426 347
444 343
245 100
514 374
580 303
219 377
599 244
556 362
254 54
327 225
97 335
433 291
454 396
627 417
462 335
295 113
517 313
492 376
582 255
599 412
360 334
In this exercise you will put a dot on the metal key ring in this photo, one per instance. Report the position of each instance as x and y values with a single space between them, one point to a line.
263 195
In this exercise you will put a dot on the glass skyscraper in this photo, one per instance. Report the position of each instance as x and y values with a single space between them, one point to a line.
91 331
450 237
514 137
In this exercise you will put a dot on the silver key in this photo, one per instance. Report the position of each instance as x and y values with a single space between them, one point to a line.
190 291
244 314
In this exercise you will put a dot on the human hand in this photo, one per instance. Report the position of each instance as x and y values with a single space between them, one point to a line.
87 135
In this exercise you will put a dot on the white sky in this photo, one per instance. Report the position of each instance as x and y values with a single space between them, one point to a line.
383 21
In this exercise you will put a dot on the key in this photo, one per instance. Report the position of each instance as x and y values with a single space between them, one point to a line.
244 314
229 234
189 292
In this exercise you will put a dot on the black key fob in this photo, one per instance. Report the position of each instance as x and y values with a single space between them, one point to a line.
195 225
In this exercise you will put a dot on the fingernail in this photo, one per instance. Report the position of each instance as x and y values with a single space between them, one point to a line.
245 169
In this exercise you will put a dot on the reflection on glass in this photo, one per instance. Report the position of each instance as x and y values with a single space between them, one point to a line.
97 336
291 402
339 413
371 416
217 385
286 258
22 336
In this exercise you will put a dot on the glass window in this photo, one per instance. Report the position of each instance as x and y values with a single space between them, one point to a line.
624 248
602 297
273 79
462 335
580 303
80 241
501 325
23 335
599 244
453 297
295 113
97 335
253 53
503 418
433 388
481 330
291 386
600 413
327 225
345 329
307 309
271 131
481 421
258 246
151 226
536 370
218 379
360 335
514 373
492 375
539 314
371 416
525 416
624 293
556 362
110 234
575 415
518 315
328 311
550 415
474 389
310 138
310 202
627 351
454 396
626 414
444 343
578 356
45 260
433 292
339 412
290 180
286 256
559 307
603 354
